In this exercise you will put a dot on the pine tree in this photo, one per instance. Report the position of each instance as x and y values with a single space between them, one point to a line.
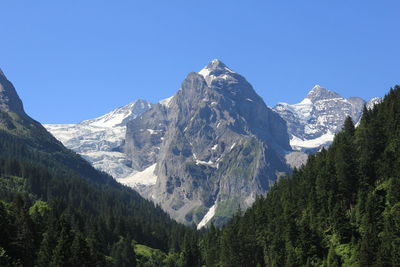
45 253
209 247
123 253
62 251
24 240
80 252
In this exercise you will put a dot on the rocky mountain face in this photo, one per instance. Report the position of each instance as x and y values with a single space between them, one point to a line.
98 140
9 99
210 149
313 122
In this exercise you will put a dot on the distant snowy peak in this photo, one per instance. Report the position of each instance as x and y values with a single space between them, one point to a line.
120 116
216 70
313 122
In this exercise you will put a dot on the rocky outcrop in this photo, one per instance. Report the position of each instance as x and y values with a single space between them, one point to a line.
9 99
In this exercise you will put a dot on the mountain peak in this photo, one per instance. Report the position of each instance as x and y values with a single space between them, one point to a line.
215 69
318 93
317 87
9 99
1 72
216 64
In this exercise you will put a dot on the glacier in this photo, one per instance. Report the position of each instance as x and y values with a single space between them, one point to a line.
98 140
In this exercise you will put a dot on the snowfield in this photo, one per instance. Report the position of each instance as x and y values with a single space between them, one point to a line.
98 140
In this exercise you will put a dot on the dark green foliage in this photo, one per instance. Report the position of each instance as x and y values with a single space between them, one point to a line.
341 209
57 210
123 253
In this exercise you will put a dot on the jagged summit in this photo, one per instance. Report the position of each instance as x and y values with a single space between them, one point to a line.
319 93
217 64
1 72
313 122
9 99
216 69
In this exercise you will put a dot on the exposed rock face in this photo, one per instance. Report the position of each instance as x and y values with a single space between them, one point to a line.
296 159
313 122
216 145
9 99
145 135
98 140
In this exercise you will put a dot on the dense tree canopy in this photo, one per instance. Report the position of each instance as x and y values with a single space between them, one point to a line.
56 210
341 209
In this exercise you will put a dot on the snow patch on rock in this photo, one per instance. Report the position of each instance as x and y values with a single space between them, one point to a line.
209 215
145 177
297 143
166 102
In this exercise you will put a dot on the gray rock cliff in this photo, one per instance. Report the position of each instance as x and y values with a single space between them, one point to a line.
216 145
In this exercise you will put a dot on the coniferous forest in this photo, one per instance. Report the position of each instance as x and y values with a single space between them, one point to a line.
341 209
57 210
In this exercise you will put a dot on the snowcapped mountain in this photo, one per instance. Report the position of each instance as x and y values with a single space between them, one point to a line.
313 122
98 140
209 149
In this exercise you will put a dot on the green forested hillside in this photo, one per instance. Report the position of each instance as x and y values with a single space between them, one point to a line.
56 210
341 209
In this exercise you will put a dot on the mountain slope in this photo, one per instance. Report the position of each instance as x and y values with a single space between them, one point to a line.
216 145
341 209
313 122
97 140
9 99
57 210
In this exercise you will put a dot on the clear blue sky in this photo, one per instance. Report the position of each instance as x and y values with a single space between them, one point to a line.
74 60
